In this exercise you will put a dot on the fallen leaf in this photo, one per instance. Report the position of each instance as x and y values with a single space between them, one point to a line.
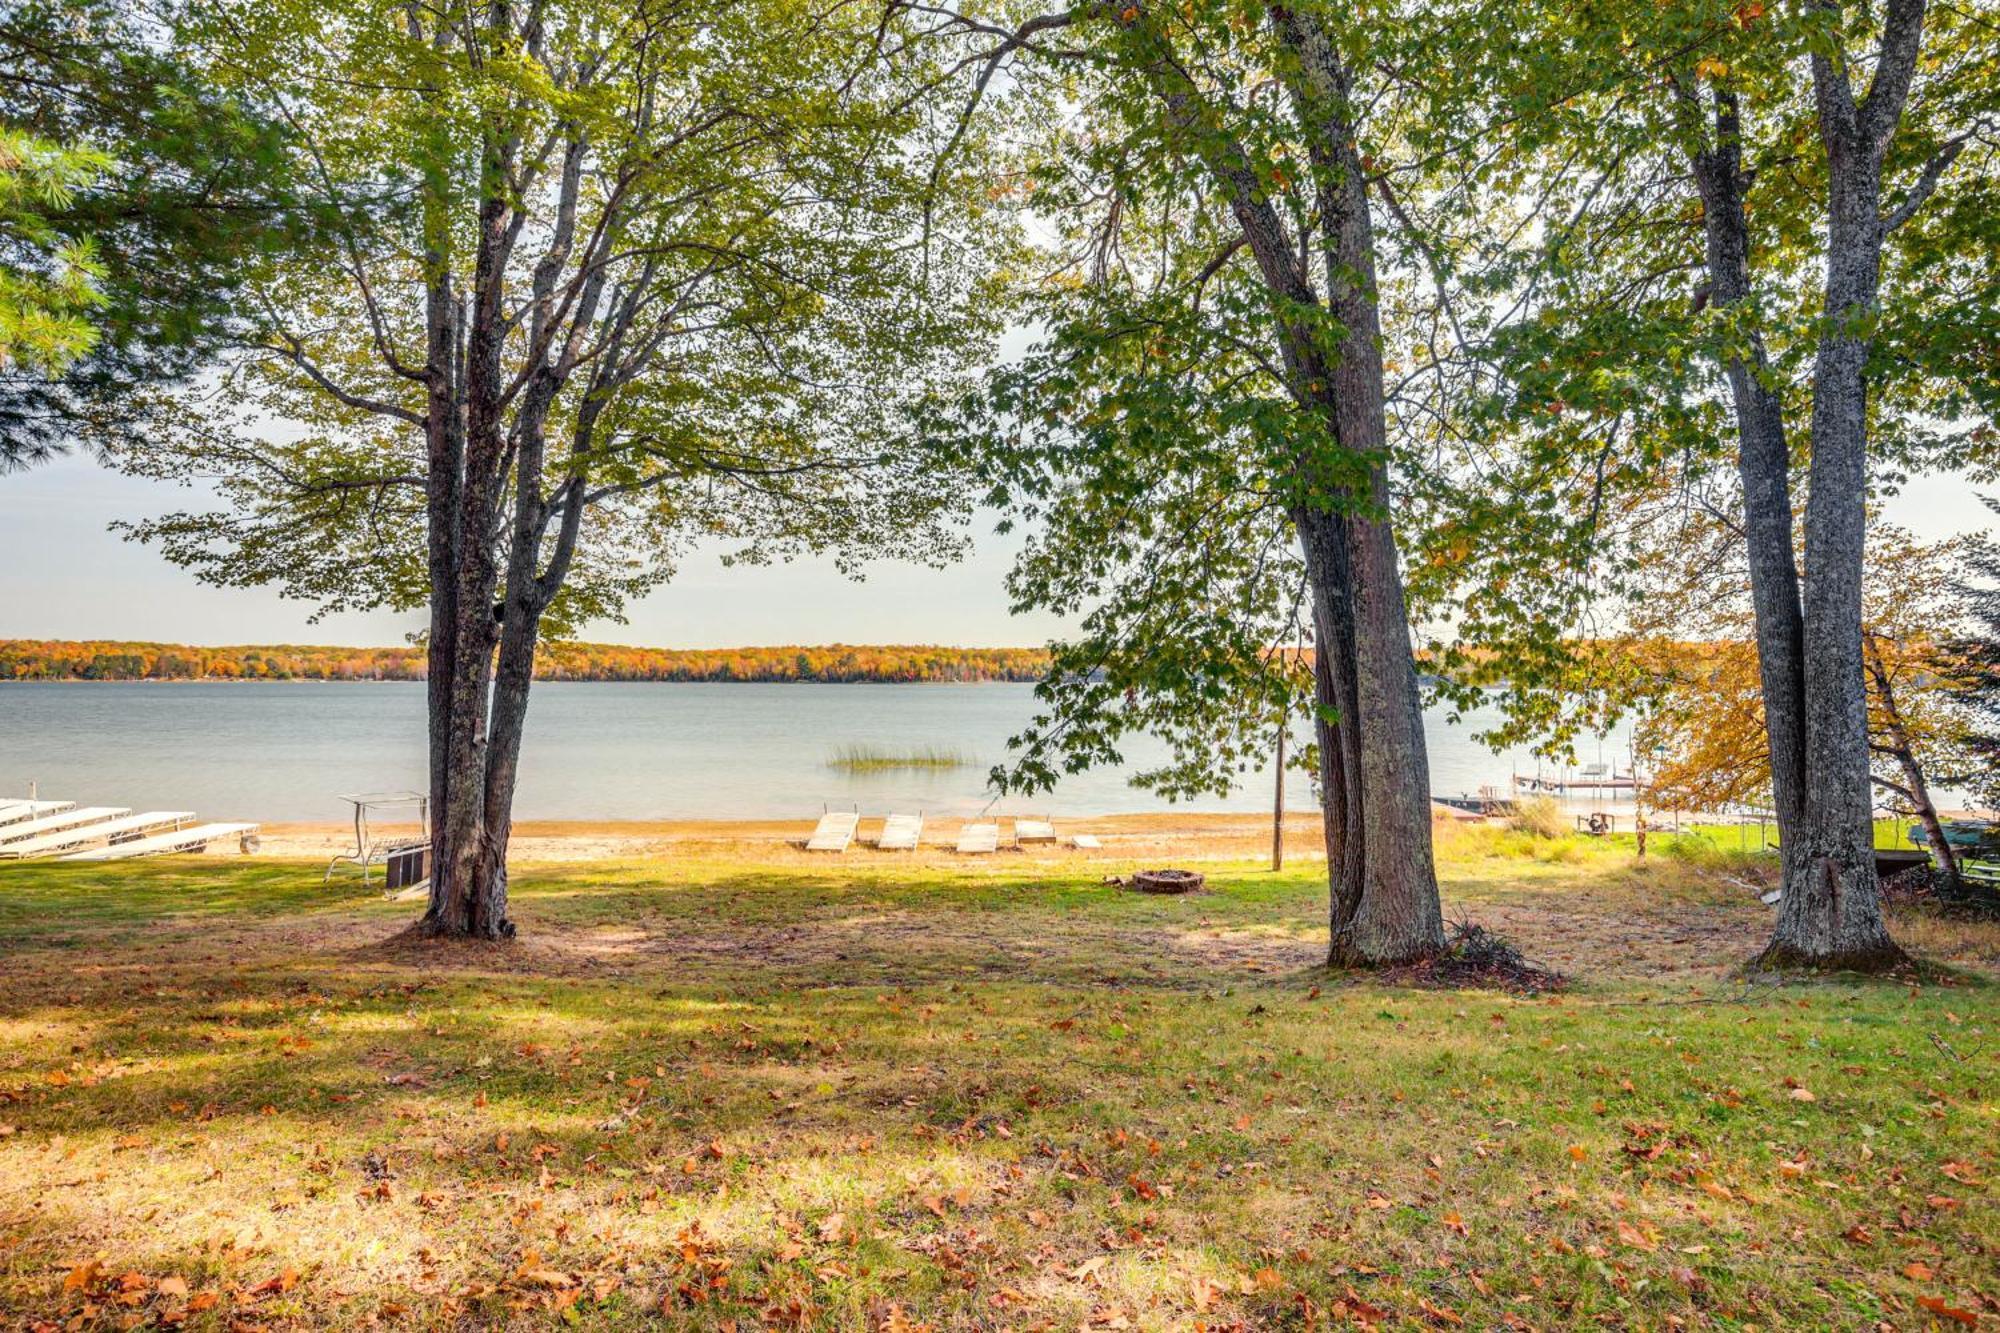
1962 1172
1637 1239
1951 1312
1439 1313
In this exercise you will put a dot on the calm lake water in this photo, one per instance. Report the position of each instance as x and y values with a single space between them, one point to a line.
284 751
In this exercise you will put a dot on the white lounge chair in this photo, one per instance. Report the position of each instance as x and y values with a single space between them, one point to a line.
834 831
128 827
13 812
1085 842
900 833
974 838
1034 830
35 828
194 839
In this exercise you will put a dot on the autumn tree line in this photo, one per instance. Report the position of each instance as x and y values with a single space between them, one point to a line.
30 659
1350 338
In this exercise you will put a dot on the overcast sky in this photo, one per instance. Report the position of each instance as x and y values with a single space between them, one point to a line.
64 576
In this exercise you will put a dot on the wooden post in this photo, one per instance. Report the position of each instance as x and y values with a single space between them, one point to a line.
1278 806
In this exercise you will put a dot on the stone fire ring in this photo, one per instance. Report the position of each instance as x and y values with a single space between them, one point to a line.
1169 881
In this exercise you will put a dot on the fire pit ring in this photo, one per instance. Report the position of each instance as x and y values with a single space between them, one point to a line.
1169 881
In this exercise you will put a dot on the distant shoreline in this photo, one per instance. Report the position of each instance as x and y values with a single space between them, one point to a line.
110 661
539 680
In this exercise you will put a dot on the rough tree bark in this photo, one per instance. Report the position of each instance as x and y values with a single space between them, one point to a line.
1398 916
1383 885
1831 911
1764 466
486 429
1809 638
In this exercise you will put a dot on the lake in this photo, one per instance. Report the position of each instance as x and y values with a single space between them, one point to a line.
274 751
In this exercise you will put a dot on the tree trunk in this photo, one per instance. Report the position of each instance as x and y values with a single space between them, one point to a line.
1339 763
1400 916
1897 745
445 440
1764 460
1904 751
462 893
1831 912
1809 641
1384 905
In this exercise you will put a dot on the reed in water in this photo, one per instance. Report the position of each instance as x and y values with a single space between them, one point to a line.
876 759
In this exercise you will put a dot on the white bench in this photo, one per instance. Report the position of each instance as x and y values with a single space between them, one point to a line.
108 830
180 840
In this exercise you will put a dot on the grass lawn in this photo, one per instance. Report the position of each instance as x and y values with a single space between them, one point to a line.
721 1093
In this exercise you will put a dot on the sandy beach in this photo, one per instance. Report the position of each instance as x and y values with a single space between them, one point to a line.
1191 835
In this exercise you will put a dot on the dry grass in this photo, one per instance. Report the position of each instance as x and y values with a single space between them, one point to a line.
726 1089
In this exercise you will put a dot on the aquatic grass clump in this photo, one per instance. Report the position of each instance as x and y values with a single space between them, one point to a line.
876 759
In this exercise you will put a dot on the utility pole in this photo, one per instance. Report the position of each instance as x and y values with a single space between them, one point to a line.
1278 806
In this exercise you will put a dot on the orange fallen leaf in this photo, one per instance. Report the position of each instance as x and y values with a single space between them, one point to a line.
1439 1313
1951 1312
1362 1310
1919 1272
1637 1239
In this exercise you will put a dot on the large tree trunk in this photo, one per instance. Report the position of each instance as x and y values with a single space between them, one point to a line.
1764 460
445 441
1400 916
1831 911
1334 714
1831 914
465 899
1809 641
1378 788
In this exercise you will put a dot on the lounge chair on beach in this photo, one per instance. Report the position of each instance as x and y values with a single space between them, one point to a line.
900 833
113 831
13 812
1034 830
195 839
22 830
979 838
834 831
1085 842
